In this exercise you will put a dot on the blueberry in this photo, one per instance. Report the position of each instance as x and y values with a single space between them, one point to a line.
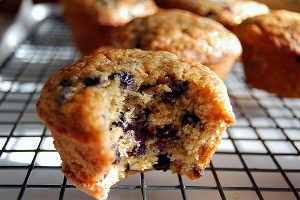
298 58
118 158
126 78
65 83
167 131
190 118
209 14
197 172
144 87
121 123
140 125
140 128
178 88
127 169
163 162
165 135
91 81
117 153
138 150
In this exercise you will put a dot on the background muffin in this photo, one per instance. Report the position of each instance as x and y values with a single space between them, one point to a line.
92 21
228 12
185 34
271 52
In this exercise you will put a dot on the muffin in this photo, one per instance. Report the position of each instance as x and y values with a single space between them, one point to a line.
291 5
228 12
92 21
271 52
121 112
184 34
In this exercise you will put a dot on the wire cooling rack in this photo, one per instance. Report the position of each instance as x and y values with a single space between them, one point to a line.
258 157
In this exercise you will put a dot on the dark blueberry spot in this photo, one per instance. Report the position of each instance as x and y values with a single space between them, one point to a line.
138 150
197 172
65 83
178 88
298 59
126 78
140 128
121 123
118 155
118 158
91 81
144 87
190 118
163 162
122 118
147 112
165 135
140 125
127 168
209 14
167 131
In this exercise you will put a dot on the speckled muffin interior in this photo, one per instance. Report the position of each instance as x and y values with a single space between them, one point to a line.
228 12
119 112
271 52
184 34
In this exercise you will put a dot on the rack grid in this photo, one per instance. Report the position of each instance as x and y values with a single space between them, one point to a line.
258 157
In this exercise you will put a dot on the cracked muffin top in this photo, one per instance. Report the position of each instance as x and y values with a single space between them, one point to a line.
228 12
109 12
182 33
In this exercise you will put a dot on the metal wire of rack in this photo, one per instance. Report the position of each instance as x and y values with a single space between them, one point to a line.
258 158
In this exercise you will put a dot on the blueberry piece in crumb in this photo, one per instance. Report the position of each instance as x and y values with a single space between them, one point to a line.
118 155
140 125
163 162
298 58
127 169
138 150
178 88
190 118
144 87
91 81
209 14
167 131
121 123
65 83
197 172
126 78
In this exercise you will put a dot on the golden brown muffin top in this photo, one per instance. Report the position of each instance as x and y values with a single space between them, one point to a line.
180 32
228 12
75 92
281 27
110 12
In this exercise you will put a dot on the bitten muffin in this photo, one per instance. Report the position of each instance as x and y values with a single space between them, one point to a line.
228 12
120 112
184 34
92 21
271 52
